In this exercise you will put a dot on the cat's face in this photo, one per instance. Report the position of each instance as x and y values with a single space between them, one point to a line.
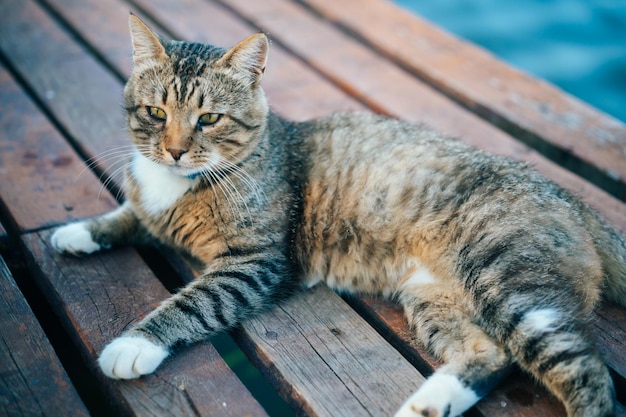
193 107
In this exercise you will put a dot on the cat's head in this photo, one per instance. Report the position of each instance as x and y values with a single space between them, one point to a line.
195 107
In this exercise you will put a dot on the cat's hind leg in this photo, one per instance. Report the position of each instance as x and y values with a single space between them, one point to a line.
552 346
474 363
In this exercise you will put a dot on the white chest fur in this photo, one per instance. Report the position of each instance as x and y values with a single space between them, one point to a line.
159 187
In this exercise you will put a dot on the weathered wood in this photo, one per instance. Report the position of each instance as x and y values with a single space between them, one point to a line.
387 88
68 81
33 381
96 298
326 359
578 136
42 180
609 331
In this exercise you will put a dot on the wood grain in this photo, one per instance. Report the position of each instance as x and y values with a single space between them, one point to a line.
33 381
67 80
326 359
570 131
97 297
42 180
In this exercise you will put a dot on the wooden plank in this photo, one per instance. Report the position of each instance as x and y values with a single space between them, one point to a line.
33 381
327 359
42 180
389 89
609 332
575 134
68 81
97 297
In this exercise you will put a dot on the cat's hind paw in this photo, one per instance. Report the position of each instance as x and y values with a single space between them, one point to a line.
441 395
130 357
74 239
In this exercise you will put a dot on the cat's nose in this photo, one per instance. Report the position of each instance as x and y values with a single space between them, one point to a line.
176 153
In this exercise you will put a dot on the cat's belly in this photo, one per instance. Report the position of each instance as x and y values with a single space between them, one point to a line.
386 277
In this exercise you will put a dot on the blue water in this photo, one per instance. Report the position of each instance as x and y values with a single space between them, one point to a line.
578 45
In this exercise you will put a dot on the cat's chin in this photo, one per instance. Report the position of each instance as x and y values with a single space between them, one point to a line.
191 173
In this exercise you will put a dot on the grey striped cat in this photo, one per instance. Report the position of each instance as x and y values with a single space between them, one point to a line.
493 264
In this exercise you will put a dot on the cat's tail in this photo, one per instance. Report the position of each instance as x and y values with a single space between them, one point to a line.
611 247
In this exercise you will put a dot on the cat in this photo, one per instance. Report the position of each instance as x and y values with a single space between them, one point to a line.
493 264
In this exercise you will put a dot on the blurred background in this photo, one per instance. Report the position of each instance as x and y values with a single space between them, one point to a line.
578 45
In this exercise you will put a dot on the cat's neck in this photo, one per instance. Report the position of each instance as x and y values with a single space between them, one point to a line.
159 187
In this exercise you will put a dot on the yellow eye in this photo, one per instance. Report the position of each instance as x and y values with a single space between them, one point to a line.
157 113
208 119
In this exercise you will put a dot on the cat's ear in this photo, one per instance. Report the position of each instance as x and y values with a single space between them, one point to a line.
248 57
146 44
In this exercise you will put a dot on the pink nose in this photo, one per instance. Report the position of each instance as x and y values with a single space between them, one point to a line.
176 153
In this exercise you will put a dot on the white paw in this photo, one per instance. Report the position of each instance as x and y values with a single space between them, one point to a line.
442 395
130 357
74 239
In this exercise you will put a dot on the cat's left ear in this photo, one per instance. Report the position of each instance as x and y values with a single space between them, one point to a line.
248 57
146 44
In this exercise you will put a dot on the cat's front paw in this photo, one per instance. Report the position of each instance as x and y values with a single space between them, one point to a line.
440 396
130 357
74 239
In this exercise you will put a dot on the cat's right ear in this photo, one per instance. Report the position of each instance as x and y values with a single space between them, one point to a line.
146 44
248 57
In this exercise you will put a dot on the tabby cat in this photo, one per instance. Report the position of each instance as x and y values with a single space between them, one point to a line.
493 264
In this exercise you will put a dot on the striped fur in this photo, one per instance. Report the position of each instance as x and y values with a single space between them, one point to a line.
493 264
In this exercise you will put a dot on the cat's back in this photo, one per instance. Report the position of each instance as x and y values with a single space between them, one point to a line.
389 167
386 194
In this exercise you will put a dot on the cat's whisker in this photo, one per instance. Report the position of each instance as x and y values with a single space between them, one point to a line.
224 165
248 180
228 182
213 181
231 194
102 158
111 179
